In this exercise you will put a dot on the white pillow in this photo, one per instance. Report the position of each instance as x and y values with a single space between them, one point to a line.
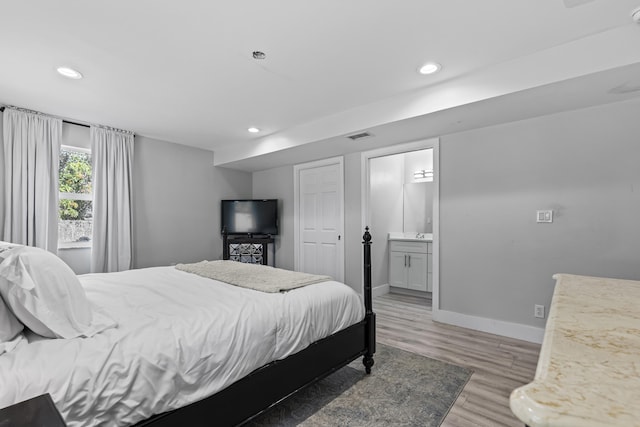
7 346
10 328
5 246
44 293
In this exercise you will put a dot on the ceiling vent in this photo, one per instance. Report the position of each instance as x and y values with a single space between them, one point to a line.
359 136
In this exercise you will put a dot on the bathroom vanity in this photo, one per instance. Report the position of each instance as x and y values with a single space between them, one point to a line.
410 261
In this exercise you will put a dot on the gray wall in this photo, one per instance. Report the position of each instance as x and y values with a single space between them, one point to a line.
353 222
176 202
278 184
496 261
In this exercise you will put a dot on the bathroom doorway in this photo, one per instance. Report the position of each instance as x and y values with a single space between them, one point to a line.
400 204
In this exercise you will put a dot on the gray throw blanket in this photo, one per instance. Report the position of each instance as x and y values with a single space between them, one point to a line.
252 276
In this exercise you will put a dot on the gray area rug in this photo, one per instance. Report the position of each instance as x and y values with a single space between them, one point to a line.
404 389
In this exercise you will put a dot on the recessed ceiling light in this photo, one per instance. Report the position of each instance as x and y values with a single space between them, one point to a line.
253 130
69 72
430 68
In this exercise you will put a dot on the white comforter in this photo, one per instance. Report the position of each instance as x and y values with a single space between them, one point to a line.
180 338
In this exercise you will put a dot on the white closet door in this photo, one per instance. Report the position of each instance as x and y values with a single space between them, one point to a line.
320 198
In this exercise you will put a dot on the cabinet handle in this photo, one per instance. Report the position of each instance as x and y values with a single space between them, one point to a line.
405 260
409 261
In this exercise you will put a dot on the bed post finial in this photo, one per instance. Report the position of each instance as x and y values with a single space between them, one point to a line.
366 236
370 316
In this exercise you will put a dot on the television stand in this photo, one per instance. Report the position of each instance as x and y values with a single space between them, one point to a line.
250 249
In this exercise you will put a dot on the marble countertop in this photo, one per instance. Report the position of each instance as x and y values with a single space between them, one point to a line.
411 237
588 372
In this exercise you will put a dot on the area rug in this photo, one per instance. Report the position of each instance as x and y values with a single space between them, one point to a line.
404 389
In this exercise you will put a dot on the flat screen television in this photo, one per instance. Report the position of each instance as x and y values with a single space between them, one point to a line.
249 217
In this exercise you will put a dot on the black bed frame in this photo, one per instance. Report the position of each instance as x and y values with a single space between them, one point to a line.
267 386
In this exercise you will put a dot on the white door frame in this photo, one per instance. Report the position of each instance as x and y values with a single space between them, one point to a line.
366 214
296 210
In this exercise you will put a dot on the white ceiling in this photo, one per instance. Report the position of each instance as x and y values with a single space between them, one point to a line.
183 71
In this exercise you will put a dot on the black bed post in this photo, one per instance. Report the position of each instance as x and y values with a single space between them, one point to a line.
370 316
225 244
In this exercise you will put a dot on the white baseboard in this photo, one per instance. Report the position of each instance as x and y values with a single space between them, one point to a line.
492 326
412 292
378 291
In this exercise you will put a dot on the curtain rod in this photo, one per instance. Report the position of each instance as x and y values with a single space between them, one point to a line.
2 108
76 124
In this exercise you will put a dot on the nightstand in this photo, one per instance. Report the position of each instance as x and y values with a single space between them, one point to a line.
39 411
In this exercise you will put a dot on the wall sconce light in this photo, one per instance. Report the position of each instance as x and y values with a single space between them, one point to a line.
423 174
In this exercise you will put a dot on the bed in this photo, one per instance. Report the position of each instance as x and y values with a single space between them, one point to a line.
169 347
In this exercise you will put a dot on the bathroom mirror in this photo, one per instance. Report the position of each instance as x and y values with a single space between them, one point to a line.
418 207
417 192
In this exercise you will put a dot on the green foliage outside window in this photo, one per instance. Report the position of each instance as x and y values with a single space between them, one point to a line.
75 177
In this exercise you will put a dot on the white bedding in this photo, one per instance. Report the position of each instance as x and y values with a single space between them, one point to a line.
180 337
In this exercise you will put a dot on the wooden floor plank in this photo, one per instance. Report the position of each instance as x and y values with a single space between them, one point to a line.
500 364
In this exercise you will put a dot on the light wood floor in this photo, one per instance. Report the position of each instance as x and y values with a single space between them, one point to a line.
499 364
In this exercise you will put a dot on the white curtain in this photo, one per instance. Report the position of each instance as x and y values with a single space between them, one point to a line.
31 154
112 153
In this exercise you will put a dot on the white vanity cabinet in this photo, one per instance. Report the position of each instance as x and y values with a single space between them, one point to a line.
410 264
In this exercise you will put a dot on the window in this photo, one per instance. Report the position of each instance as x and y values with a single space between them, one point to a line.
75 219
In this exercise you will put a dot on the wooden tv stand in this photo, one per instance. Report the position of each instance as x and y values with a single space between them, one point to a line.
249 249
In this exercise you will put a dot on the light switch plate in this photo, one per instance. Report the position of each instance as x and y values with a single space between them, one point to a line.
544 216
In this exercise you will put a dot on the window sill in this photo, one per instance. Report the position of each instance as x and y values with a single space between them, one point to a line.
74 245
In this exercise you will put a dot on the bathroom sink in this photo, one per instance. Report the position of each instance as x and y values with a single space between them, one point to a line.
411 236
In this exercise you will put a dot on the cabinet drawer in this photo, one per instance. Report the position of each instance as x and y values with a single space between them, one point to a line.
400 246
